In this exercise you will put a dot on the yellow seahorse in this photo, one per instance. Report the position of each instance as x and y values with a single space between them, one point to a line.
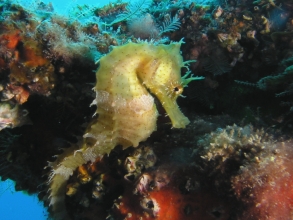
126 110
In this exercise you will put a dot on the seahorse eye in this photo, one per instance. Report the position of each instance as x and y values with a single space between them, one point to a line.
178 89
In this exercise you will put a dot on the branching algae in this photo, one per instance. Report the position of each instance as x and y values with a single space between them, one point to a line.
126 110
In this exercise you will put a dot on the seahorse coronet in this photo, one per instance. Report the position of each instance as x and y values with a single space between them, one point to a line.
127 79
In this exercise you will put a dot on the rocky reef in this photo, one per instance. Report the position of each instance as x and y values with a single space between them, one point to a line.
225 150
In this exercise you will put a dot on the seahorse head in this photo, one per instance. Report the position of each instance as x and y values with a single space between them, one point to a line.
161 74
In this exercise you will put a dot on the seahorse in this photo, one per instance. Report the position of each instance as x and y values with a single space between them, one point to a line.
126 110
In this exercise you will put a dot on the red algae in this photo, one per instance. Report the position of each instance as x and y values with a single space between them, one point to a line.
11 38
266 188
174 205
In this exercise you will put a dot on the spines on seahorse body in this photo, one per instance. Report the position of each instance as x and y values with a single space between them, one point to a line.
62 169
126 111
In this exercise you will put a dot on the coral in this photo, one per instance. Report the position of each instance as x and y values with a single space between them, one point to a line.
126 111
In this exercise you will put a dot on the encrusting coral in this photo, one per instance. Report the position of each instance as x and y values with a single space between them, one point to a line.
126 110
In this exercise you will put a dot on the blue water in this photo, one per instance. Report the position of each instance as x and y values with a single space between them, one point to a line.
62 6
18 205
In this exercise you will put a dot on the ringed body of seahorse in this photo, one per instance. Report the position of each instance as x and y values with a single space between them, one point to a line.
126 110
